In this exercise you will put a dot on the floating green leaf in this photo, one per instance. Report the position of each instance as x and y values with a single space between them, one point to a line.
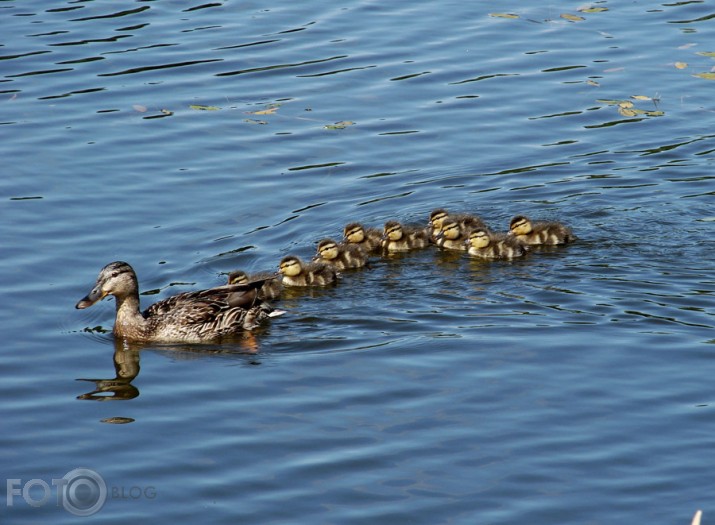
706 76
572 18
503 15
268 111
706 53
610 102
591 9
204 108
628 112
340 125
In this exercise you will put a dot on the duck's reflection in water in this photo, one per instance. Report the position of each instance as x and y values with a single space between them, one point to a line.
126 364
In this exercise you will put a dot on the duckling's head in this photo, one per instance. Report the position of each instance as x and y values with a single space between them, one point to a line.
117 278
450 229
437 217
354 232
328 249
520 225
238 277
290 266
478 239
393 231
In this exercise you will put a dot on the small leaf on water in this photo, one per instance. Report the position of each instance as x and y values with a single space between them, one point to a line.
167 112
592 83
655 113
340 125
204 108
625 104
503 15
573 18
591 9
610 102
626 112
706 53
706 76
681 65
139 108
268 111
640 97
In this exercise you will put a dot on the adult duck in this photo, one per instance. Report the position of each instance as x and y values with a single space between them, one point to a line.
190 317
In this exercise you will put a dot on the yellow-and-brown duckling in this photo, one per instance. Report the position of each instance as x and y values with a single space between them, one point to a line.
542 232
271 289
369 239
343 256
466 221
190 317
487 245
399 238
297 273
452 236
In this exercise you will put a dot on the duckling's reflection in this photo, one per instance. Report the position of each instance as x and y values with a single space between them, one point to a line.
126 366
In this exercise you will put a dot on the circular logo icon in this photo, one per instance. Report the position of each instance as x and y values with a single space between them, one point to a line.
84 492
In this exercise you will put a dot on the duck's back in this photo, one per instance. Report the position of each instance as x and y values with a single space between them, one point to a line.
201 316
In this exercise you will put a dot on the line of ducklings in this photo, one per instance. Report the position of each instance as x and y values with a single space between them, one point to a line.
463 232
244 302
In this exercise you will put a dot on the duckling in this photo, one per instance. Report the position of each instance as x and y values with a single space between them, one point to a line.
466 221
369 239
452 236
271 289
189 317
482 243
342 256
399 238
297 273
540 232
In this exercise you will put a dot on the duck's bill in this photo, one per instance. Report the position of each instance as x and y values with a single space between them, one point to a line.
92 297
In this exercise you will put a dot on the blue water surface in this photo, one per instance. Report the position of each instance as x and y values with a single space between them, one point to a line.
190 140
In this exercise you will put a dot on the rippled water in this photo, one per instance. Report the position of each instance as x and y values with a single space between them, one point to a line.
192 139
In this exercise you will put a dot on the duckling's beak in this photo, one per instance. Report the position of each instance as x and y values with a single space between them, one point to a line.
439 236
97 294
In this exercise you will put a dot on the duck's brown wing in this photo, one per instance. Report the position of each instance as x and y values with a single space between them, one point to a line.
203 306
